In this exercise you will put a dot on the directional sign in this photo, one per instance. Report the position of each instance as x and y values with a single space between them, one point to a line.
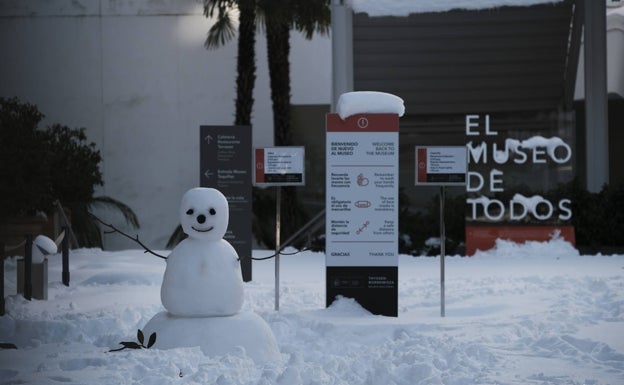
225 164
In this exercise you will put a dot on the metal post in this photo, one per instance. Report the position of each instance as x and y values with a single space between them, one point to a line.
28 267
596 99
442 250
278 200
342 49
65 253
2 279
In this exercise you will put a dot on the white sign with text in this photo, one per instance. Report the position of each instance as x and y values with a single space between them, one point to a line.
279 166
362 192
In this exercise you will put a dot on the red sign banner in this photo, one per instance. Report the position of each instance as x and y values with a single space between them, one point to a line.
484 237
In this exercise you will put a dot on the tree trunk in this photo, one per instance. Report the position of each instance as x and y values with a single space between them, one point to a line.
278 46
246 62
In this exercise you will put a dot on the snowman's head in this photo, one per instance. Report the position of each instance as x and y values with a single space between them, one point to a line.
204 213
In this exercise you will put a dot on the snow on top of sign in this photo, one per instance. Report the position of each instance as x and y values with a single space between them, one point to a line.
550 144
405 7
540 141
530 203
369 102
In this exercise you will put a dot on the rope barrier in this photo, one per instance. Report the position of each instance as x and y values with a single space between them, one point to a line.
147 250
280 253
14 247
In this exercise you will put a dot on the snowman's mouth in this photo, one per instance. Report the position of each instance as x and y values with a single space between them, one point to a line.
203 230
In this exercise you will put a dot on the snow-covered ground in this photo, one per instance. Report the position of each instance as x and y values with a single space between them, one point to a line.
538 313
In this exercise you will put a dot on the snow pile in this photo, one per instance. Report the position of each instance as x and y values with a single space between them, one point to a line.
556 248
405 7
369 102
537 313
346 307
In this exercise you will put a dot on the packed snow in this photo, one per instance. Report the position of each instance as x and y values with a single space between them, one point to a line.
405 7
42 246
537 313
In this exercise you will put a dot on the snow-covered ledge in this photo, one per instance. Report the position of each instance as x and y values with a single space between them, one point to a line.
405 7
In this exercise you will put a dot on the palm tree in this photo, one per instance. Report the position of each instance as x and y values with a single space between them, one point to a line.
278 17
221 32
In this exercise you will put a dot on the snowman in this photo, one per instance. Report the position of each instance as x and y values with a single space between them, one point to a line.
203 276
202 288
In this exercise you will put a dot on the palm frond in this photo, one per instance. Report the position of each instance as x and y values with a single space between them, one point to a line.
86 231
310 16
221 32
175 238
111 203
220 6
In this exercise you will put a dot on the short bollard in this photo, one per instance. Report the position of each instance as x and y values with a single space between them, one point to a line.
65 252
2 304
28 267
32 278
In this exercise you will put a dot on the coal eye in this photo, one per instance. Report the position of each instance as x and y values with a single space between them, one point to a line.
212 211
189 212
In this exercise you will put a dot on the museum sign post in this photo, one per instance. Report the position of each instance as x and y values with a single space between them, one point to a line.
279 167
362 182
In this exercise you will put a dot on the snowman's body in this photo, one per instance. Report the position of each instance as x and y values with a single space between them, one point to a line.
202 279
203 276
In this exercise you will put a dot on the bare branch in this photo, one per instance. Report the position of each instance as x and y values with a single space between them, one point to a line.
135 238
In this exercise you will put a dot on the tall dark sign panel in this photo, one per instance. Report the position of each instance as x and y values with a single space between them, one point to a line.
225 164
361 236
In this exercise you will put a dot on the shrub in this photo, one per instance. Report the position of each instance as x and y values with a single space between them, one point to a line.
41 167
24 173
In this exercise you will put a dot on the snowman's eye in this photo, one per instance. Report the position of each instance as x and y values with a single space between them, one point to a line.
189 212
212 211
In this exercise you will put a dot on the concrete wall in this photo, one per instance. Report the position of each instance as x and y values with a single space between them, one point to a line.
136 75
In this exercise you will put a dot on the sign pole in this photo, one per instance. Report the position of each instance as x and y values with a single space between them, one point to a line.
278 167
441 166
442 250
278 209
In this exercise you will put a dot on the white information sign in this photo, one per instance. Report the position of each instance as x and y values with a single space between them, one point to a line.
441 166
362 191
279 166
